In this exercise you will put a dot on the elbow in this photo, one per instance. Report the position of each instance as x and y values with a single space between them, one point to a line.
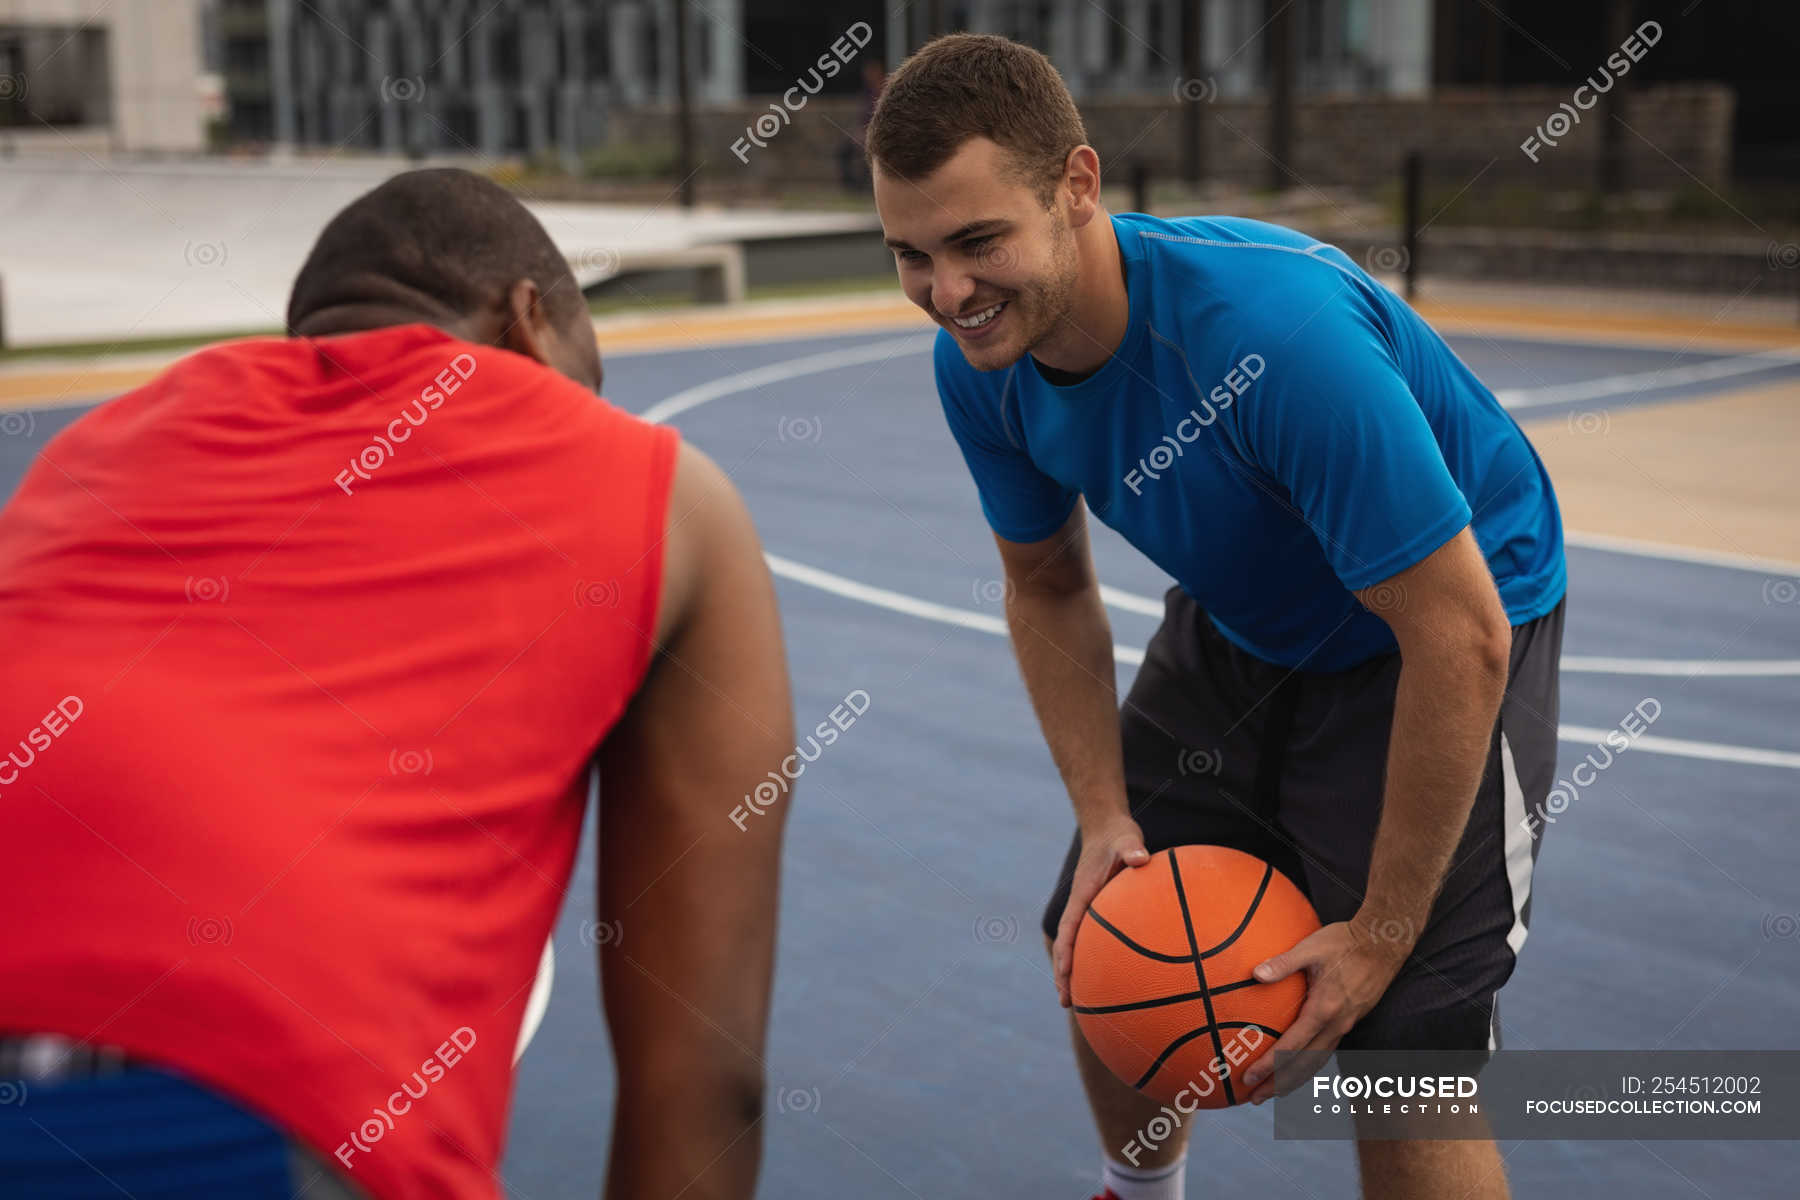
1476 657
1061 583
1492 654
747 1101
739 1094
714 1095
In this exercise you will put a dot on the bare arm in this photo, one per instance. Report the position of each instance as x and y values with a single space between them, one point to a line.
1064 646
1455 649
692 894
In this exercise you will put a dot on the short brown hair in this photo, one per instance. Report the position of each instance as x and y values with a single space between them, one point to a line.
967 85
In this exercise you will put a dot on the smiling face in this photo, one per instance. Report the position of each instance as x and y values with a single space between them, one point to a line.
977 249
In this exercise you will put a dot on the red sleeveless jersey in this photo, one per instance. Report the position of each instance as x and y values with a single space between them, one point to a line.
306 647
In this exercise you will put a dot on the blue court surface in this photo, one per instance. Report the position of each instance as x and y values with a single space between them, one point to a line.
917 1049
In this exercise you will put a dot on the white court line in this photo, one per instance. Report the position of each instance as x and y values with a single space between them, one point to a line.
1643 381
831 360
1686 554
1562 393
1511 398
1722 668
912 606
812 364
1112 597
1587 664
1686 749
792 368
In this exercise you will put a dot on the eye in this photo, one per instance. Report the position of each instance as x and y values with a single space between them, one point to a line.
910 256
976 245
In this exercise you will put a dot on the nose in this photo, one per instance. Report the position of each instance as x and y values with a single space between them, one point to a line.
950 289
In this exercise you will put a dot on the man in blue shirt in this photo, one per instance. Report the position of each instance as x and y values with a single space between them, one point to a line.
1336 495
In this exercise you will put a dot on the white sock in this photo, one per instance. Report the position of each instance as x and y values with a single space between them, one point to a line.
1144 1183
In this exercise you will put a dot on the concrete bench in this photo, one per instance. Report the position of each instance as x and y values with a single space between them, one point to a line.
718 269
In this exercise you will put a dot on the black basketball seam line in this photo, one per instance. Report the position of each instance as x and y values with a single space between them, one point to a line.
1189 1036
1187 922
1147 953
1092 1010
1255 901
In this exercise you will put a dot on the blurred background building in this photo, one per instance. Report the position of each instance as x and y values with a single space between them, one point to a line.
535 75
124 74
548 77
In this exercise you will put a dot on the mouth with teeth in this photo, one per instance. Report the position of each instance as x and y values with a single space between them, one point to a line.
978 323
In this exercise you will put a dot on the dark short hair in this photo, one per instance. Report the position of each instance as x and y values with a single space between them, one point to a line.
969 85
446 241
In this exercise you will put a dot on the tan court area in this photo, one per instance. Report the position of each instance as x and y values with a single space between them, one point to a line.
1721 473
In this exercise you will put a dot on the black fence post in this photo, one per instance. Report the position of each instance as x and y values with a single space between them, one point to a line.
684 108
1140 187
1413 189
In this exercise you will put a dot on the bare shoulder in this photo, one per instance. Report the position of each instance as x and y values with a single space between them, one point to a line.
707 529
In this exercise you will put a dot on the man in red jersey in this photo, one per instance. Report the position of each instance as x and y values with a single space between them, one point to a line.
308 646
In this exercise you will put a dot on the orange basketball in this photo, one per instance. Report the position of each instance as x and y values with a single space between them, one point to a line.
1160 982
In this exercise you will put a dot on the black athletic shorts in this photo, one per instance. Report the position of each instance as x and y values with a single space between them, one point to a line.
1224 748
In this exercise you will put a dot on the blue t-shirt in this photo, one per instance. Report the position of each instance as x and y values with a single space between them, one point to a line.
1276 431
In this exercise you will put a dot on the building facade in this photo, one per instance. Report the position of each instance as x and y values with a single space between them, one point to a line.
128 71
541 76
513 77
1132 47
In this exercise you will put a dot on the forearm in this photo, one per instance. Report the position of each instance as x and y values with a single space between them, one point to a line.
1444 712
1064 646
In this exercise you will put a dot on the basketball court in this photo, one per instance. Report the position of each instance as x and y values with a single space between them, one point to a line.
916 1046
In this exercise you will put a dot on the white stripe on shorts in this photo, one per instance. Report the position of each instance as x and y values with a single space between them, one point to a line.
1518 844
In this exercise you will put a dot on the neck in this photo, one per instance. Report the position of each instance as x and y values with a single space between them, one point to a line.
357 316
1100 312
